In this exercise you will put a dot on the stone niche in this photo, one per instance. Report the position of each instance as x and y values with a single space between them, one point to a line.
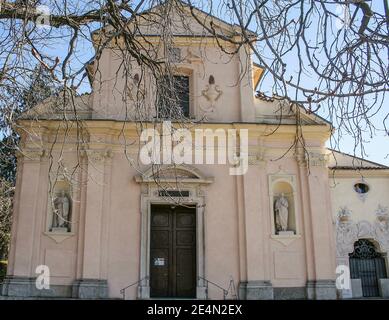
60 210
283 186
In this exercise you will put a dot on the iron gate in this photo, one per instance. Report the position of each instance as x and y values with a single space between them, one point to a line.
368 265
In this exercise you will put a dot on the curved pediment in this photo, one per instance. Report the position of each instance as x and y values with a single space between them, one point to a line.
173 173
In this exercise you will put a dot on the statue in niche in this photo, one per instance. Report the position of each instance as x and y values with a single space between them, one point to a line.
281 212
61 212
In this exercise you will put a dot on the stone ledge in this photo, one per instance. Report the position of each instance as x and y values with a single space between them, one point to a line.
290 293
384 287
256 290
24 287
321 290
16 287
90 289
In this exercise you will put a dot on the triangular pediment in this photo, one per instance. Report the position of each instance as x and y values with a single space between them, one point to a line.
274 110
184 20
59 106
179 173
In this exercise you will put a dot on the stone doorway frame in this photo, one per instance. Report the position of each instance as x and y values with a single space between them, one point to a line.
190 179
347 233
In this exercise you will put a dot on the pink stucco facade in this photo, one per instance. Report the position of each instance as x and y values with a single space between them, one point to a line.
108 245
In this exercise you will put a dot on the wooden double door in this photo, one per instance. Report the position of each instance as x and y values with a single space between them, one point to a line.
172 251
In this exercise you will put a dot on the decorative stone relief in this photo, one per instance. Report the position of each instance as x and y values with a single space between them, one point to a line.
382 213
348 232
318 159
192 57
97 155
256 159
58 237
135 90
212 93
344 214
301 156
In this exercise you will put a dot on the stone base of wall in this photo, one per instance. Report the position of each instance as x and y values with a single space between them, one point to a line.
384 288
14 286
321 290
256 290
356 288
24 287
290 293
90 289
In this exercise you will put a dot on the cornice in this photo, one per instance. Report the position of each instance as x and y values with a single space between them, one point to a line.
357 173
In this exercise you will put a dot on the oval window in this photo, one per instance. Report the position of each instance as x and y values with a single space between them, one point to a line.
361 187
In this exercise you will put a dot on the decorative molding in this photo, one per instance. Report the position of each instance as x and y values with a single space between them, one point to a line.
192 57
193 182
301 156
348 232
173 174
344 214
318 159
256 159
281 175
362 196
285 240
382 213
212 93
58 237
97 155
31 154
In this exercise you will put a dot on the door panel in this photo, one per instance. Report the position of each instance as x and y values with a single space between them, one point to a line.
159 271
186 272
172 252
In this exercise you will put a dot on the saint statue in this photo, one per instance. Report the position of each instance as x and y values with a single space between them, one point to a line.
281 211
61 211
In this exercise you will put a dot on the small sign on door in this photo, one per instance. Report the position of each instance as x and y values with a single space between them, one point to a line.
159 262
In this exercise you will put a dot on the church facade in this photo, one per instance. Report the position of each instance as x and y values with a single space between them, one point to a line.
107 225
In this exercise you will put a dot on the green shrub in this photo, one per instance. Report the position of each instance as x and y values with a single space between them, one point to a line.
3 270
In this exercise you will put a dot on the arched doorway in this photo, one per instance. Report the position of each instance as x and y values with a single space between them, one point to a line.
368 265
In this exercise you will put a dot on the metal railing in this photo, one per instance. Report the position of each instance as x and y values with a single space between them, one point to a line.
208 282
123 291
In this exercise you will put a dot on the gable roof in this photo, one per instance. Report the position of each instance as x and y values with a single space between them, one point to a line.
274 112
220 26
60 106
343 161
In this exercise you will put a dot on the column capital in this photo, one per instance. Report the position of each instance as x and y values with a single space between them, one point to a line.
97 155
318 159
31 154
